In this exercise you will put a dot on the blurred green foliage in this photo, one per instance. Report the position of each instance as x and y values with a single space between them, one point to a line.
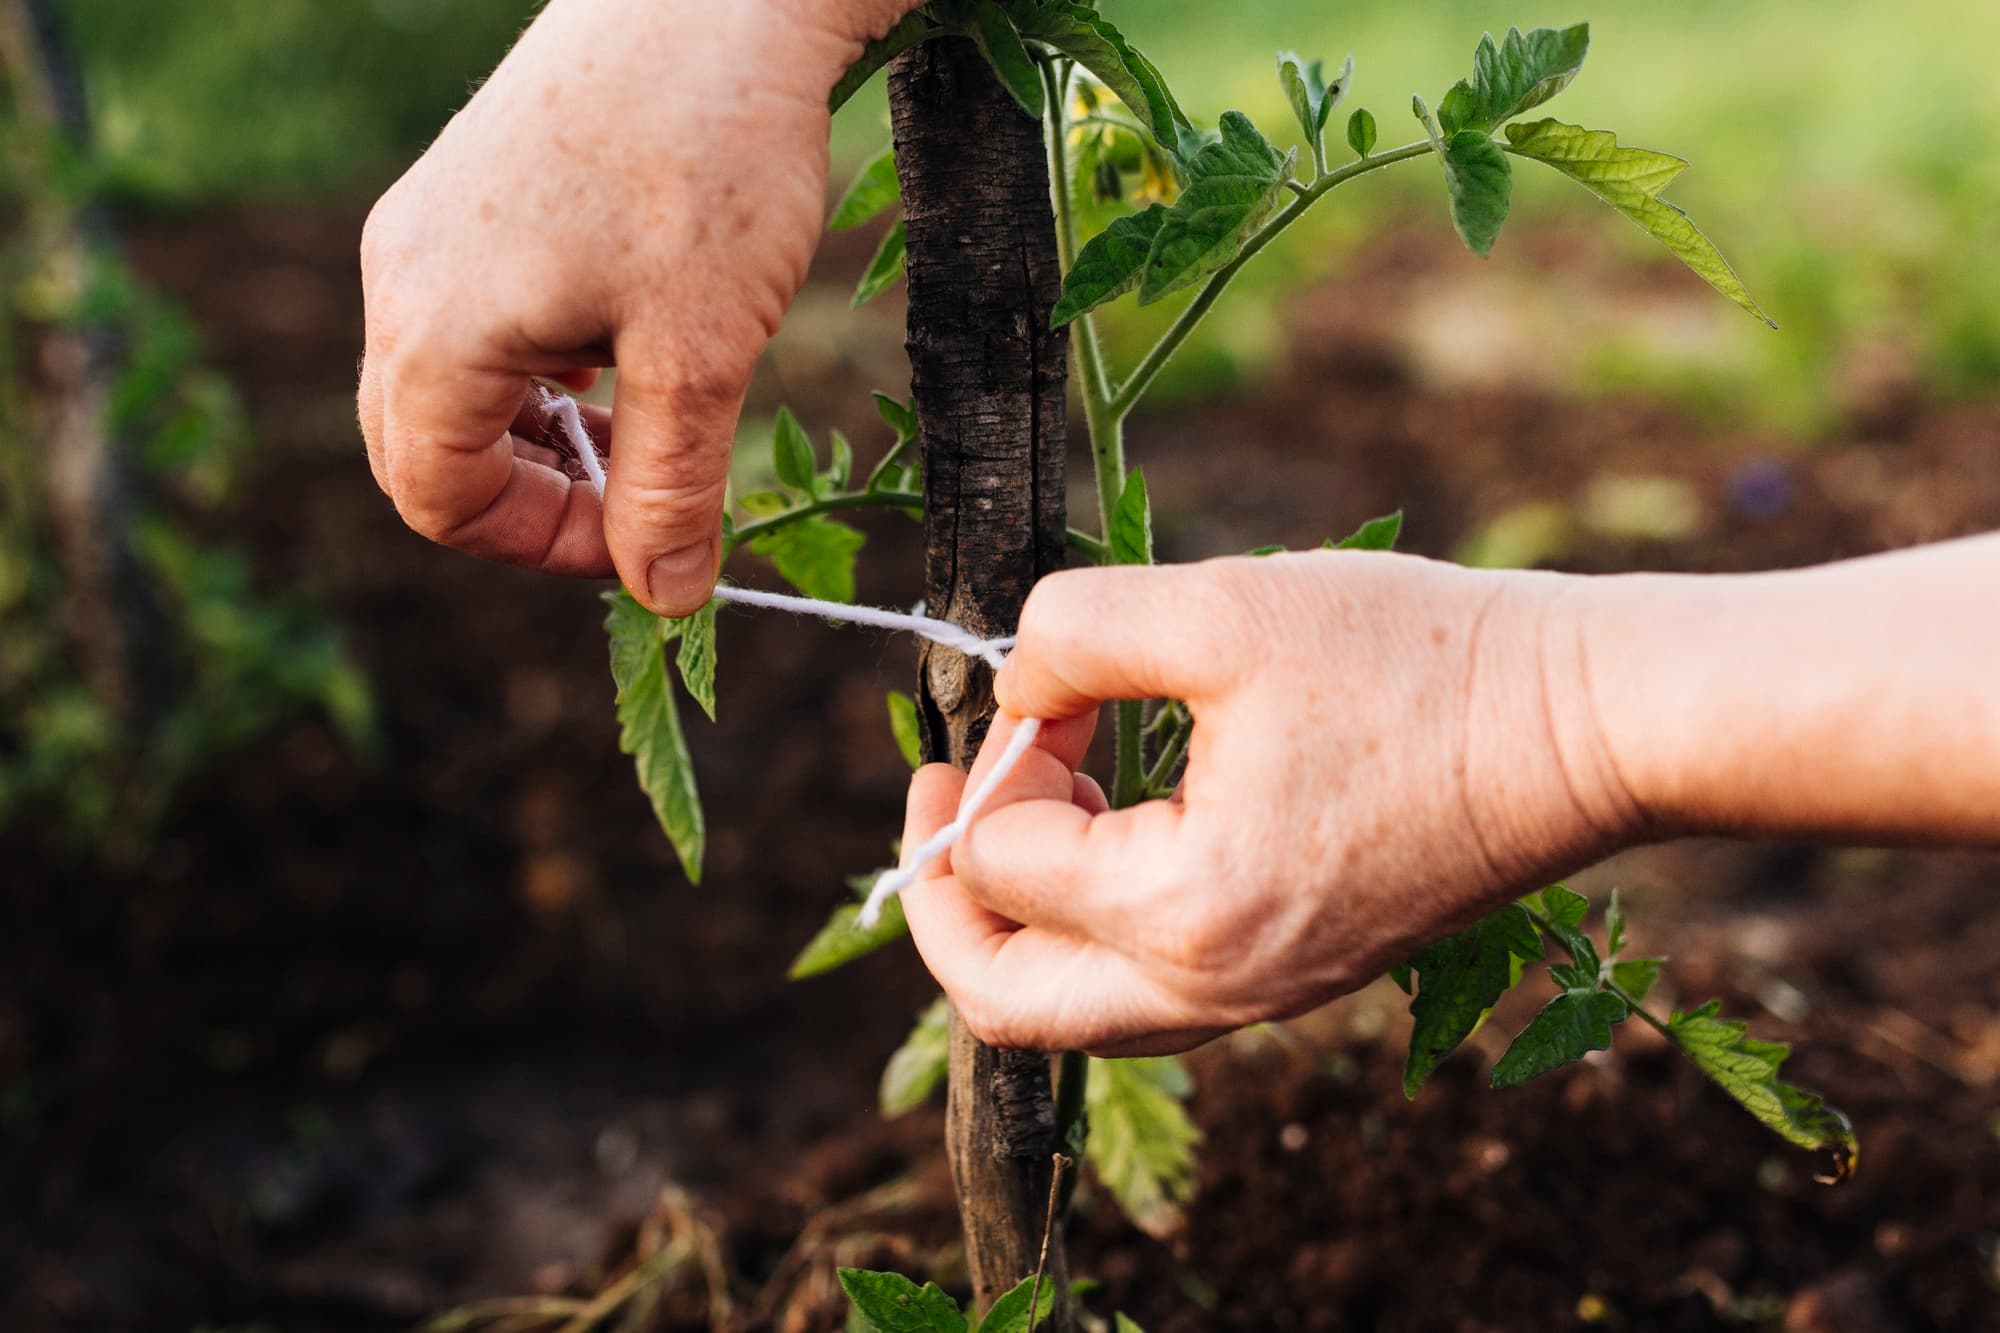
200 98
209 662
1846 154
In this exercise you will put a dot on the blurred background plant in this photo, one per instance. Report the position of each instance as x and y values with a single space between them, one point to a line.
437 1022
135 647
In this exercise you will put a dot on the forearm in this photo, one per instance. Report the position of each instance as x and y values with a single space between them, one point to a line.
1858 701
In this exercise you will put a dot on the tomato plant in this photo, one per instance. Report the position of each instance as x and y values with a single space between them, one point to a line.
1014 123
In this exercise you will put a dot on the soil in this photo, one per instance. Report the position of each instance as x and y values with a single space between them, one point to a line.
367 1036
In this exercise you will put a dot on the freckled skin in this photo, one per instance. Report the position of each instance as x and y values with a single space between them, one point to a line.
1387 748
615 226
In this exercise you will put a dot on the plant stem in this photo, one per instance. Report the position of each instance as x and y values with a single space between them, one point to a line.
1105 427
1081 542
1142 378
1545 925
829 504
1169 756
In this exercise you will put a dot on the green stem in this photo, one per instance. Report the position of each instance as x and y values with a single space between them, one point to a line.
828 504
1170 755
1081 542
1142 378
1089 547
1545 925
1105 427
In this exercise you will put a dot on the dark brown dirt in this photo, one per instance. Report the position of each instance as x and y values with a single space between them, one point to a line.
365 1037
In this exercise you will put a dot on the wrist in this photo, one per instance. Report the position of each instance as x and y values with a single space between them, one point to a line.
1544 788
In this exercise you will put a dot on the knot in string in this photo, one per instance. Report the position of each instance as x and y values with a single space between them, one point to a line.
563 411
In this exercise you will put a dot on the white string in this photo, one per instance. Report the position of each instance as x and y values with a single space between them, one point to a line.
892 882
990 651
571 420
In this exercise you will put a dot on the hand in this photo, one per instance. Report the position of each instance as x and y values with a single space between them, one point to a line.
1385 748
640 183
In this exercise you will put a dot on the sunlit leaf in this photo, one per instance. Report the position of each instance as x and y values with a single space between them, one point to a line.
1000 43
1132 523
1142 1143
650 726
903 724
816 555
843 939
697 657
884 269
1517 74
1109 265
920 1064
1630 180
1092 41
1481 184
1233 184
1377 534
1747 1069
872 192
894 1304
914 28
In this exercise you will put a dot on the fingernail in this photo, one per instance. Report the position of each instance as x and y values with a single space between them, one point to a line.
679 582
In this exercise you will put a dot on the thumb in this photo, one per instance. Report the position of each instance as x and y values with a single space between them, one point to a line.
672 424
1092 635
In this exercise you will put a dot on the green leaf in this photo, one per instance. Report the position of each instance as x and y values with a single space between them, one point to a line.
841 469
650 726
1377 534
1562 906
1087 37
903 724
1142 1142
842 939
894 1304
901 417
792 452
1481 184
920 1064
1400 974
873 191
884 268
1233 184
1569 1027
697 657
1125 1325
1010 1313
1132 523
1518 74
1361 131
1630 180
913 29
1635 976
1747 1069
1109 265
1459 979
815 555
1312 98
995 35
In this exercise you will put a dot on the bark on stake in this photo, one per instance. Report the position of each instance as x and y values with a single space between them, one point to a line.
989 380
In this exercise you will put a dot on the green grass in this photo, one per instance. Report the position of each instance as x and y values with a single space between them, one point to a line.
1846 152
